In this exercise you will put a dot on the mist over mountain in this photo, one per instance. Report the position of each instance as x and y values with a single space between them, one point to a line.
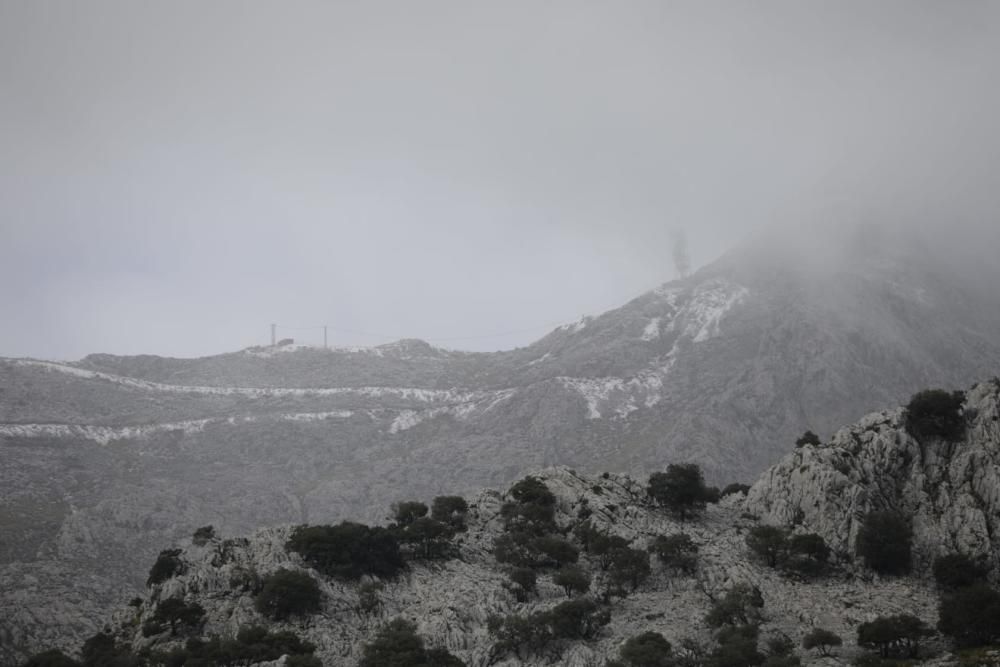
110 458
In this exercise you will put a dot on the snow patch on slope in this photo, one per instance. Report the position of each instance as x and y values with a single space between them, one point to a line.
409 393
652 330
407 419
106 434
702 316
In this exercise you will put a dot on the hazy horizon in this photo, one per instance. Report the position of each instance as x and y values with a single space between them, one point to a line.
177 176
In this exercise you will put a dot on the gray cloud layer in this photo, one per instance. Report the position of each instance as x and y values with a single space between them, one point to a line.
176 175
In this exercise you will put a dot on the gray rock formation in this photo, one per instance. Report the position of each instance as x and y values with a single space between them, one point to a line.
451 601
949 490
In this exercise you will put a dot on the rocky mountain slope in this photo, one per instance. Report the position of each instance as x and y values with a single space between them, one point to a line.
106 459
950 489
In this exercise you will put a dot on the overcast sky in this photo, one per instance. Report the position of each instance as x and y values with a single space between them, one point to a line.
174 176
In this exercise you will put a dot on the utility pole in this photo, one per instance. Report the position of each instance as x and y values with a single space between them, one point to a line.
274 335
325 346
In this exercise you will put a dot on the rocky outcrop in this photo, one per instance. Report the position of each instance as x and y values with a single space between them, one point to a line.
451 601
949 490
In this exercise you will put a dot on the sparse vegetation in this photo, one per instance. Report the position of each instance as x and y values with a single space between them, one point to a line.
736 647
369 601
532 509
808 438
174 613
677 552
822 640
956 571
288 593
51 658
935 413
523 582
884 543
407 512
628 569
397 644
681 489
649 649
348 550
768 542
451 511
893 636
537 633
735 488
203 535
573 579
740 606
971 615
167 566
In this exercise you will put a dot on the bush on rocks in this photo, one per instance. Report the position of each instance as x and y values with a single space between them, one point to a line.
288 593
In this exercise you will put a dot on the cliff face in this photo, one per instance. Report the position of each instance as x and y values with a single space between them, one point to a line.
950 490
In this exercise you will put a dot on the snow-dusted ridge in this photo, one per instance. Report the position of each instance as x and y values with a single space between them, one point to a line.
107 434
409 393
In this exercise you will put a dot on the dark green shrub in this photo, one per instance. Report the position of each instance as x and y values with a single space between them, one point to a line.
250 646
935 413
629 567
521 635
168 565
604 547
303 661
176 613
51 658
407 512
524 582
514 548
739 607
203 535
368 597
958 571
397 644
821 639
554 551
681 489
768 542
101 650
808 438
426 539
288 593
573 580
737 647
649 649
348 550
257 644
808 554
971 615
451 511
581 618
884 543
898 636
532 508
735 487
677 552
